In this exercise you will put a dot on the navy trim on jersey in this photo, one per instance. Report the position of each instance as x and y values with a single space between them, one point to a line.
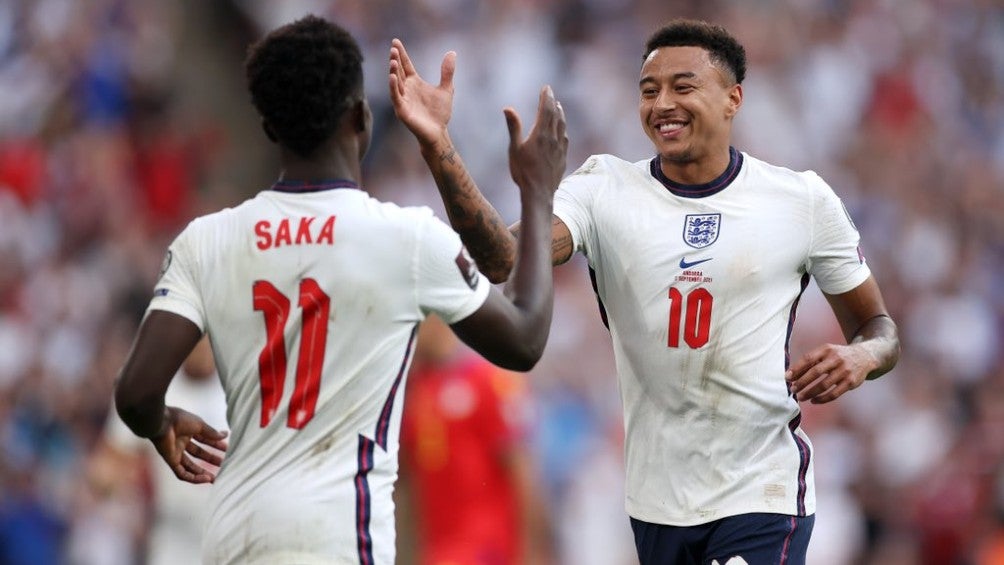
804 456
599 301
364 540
791 322
700 190
311 186
384 422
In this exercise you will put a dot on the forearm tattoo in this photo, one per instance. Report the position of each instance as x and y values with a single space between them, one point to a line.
480 226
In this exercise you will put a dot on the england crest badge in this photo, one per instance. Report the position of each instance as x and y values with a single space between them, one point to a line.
701 230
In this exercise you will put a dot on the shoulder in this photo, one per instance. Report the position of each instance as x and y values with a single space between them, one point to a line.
805 181
609 164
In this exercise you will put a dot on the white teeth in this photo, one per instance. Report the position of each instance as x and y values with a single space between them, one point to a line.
665 128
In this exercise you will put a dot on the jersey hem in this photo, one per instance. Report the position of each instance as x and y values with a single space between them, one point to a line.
655 518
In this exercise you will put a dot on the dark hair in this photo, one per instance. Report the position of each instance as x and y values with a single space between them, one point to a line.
724 50
302 77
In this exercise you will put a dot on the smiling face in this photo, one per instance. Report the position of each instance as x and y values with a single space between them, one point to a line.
687 105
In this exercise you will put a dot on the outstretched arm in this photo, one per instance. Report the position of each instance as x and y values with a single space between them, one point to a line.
426 109
511 330
872 349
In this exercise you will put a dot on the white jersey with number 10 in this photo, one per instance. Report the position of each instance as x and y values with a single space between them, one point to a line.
700 286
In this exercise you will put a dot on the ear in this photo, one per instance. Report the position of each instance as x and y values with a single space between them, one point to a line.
268 131
735 100
362 117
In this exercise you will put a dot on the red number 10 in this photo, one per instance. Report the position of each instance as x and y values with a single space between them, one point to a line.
275 307
697 326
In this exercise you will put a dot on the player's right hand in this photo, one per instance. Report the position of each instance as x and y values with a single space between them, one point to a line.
538 162
178 447
424 108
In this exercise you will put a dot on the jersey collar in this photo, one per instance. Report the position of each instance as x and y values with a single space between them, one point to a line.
311 185
700 190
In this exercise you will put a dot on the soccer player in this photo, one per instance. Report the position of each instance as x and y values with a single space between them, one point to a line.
699 256
311 294
470 490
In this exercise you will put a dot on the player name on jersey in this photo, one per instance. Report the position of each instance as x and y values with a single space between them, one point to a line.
307 232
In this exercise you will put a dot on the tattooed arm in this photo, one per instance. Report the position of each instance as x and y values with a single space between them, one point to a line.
425 109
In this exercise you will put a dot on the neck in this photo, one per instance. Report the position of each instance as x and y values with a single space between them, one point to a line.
325 164
696 171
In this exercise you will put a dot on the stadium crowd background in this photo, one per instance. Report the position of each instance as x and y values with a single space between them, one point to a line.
122 119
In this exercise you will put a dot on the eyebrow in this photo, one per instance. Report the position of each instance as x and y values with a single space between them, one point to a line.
675 77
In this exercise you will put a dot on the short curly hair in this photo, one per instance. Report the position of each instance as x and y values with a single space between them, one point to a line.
724 50
302 77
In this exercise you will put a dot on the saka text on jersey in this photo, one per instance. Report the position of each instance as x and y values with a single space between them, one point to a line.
302 231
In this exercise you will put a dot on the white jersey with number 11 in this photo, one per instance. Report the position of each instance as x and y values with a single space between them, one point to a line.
311 296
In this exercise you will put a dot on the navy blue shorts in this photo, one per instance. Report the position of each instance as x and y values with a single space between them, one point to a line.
753 539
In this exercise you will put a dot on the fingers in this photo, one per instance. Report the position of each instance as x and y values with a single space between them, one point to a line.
546 109
190 472
199 452
407 67
825 374
803 381
515 126
447 69
562 126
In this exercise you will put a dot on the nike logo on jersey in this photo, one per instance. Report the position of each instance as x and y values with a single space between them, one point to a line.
685 265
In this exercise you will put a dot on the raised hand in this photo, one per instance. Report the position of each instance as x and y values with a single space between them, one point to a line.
538 162
177 446
424 108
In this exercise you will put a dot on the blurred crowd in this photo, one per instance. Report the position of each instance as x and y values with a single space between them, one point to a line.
120 120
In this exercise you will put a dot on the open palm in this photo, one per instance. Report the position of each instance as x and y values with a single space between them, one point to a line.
424 108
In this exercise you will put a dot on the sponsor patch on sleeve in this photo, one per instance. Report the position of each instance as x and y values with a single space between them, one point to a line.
468 269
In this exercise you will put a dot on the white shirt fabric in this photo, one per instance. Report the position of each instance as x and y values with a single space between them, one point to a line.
699 288
296 487
179 507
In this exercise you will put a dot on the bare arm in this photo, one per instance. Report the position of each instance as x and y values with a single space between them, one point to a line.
162 344
511 330
872 349
425 109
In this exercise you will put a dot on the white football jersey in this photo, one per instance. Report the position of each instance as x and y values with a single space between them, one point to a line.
311 297
699 286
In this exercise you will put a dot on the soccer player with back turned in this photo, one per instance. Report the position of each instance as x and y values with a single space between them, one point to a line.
311 293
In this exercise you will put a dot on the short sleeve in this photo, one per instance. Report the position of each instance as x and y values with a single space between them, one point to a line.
449 284
835 258
177 290
573 203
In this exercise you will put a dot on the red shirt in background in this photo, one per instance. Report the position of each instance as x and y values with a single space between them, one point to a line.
460 422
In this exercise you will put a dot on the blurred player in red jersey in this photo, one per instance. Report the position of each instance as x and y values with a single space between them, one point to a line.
468 481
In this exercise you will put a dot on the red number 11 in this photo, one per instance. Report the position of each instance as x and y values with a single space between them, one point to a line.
275 307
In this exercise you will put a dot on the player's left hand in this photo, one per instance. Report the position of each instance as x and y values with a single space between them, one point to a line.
827 372
177 446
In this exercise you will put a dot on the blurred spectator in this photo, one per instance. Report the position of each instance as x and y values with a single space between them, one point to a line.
176 509
468 489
